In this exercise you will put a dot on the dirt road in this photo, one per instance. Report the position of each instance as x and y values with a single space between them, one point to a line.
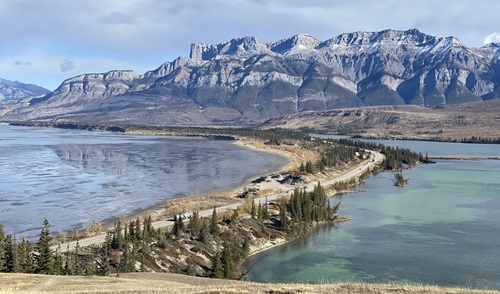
99 239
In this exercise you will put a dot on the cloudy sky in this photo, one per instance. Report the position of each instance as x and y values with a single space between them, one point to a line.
45 42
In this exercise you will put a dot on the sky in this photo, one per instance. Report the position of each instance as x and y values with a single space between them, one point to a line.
46 42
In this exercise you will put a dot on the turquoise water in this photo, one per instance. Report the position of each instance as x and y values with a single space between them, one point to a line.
441 229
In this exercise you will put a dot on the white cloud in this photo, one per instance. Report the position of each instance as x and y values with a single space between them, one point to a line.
146 33
492 38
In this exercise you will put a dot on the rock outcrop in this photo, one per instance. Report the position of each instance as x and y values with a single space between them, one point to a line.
245 81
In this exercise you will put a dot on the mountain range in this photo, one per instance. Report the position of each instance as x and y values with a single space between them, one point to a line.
245 81
13 91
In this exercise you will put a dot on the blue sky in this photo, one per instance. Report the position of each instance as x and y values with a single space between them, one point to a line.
46 42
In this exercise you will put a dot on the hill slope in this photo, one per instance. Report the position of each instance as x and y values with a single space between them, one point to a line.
11 91
448 123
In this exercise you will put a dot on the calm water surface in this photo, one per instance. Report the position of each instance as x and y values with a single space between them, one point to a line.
72 177
441 229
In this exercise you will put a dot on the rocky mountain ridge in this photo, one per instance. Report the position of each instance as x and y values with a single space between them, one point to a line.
245 81
13 91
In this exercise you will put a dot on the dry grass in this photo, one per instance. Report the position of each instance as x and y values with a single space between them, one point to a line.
295 153
198 203
451 122
173 284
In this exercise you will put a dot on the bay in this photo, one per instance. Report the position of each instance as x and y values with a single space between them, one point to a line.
441 229
72 177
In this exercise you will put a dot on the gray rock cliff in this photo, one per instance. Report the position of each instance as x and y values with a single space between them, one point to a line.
246 81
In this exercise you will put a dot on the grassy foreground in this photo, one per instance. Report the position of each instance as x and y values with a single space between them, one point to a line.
173 284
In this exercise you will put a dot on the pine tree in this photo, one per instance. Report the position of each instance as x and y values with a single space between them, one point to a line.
131 230
9 254
127 263
203 235
58 265
103 262
182 227
214 226
149 230
25 258
227 260
76 268
118 240
283 216
253 211
259 212
265 212
175 228
137 232
218 267
45 257
2 251
194 223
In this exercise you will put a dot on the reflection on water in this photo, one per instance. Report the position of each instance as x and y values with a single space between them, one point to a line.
441 229
72 177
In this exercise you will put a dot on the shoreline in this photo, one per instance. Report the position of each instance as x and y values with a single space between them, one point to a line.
159 209
273 189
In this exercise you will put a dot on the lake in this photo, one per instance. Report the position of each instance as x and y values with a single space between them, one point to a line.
441 229
72 177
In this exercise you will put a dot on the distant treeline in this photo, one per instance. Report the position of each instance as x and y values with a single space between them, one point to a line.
273 136
395 157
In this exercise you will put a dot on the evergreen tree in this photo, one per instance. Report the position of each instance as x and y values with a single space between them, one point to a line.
283 216
137 232
2 250
103 262
329 212
45 257
175 228
194 223
218 267
149 230
181 225
259 212
131 231
253 211
214 226
25 258
265 211
118 240
58 265
203 234
227 260
9 255
127 262
76 267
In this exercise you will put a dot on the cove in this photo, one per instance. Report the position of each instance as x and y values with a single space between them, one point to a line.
441 229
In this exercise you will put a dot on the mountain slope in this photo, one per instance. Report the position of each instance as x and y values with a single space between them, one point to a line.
245 81
11 91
